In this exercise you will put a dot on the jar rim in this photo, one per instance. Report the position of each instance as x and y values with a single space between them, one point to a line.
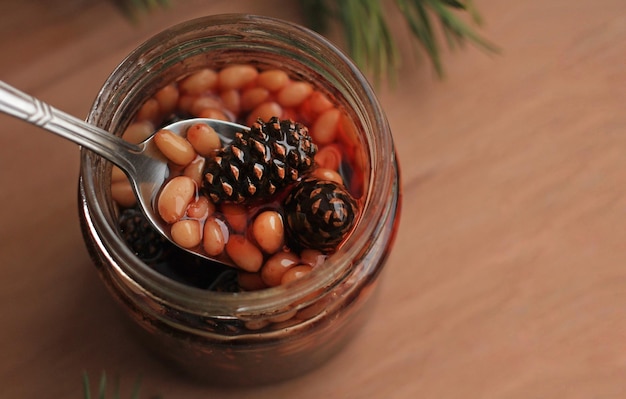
178 295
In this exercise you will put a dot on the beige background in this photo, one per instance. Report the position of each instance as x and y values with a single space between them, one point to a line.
508 279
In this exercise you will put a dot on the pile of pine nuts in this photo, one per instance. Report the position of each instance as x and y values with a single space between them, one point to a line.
254 239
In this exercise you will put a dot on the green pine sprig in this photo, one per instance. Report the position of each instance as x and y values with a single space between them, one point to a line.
369 39
455 30
103 385
365 26
133 9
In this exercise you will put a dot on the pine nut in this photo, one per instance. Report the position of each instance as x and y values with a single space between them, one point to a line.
174 147
273 79
122 193
149 111
204 139
256 324
319 102
213 241
277 326
237 76
294 94
244 253
231 100
200 208
199 82
329 157
280 318
315 104
348 132
186 233
167 97
199 104
295 273
186 101
265 111
236 216
315 308
174 198
312 257
137 132
214 113
118 174
268 231
276 266
324 130
253 97
290 113
195 170
328 175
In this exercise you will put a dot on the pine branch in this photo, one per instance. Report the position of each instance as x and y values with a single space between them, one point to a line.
372 46
368 37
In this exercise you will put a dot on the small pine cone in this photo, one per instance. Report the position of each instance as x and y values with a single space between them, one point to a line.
319 215
140 236
259 163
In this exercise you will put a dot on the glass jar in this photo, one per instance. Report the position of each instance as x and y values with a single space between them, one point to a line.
251 337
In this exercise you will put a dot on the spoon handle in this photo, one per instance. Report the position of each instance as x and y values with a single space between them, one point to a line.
29 109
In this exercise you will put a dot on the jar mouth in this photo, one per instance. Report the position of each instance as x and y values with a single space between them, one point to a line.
179 49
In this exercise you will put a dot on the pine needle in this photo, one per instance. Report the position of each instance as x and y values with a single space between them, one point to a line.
369 40
102 387
133 9
86 389
316 13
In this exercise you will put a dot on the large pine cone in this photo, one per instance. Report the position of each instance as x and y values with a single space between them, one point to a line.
259 163
319 215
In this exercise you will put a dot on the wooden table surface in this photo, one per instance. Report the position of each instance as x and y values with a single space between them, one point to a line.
508 277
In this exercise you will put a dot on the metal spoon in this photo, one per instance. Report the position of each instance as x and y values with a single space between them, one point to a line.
144 164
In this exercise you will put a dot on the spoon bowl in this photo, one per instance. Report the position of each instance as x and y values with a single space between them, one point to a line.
144 164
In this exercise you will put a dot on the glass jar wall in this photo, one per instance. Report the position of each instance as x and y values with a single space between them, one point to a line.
246 336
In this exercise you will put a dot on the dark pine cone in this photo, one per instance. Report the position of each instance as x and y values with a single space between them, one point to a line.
140 236
319 215
259 163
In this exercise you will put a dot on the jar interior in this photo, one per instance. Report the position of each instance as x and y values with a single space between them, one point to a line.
168 58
